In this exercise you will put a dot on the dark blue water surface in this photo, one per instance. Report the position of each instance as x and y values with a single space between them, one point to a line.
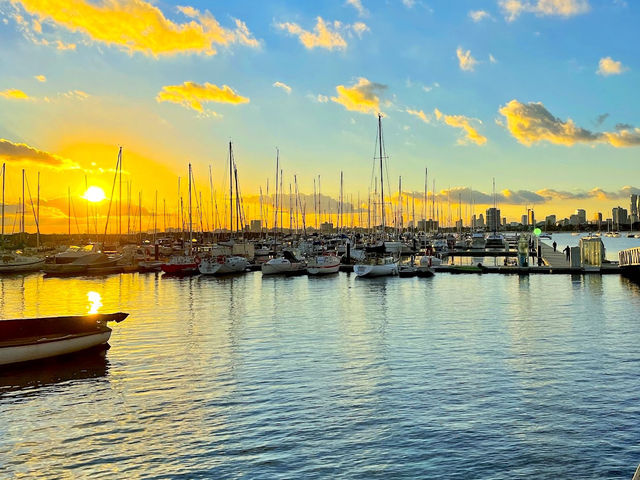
453 377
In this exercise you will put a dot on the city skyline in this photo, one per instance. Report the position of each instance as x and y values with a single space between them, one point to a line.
537 94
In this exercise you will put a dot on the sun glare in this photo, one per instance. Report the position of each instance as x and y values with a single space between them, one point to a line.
94 194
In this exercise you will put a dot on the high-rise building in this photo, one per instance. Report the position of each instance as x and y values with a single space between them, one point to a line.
524 221
550 221
531 218
634 204
620 216
493 219
582 216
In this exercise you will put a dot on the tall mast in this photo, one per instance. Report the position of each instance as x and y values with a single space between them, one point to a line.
275 222
155 219
426 196
315 203
230 190
381 174
340 221
38 215
120 198
24 229
3 174
69 210
190 220
281 198
140 214
400 204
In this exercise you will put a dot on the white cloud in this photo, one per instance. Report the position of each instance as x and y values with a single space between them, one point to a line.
478 15
283 86
512 9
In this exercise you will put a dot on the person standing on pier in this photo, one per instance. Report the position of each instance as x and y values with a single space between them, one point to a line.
554 245
566 251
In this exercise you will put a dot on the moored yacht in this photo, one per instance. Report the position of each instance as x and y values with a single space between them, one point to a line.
323 264
378 266
16 262
223 265
287 264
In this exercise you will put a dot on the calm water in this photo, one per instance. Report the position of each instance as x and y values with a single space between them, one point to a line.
454 377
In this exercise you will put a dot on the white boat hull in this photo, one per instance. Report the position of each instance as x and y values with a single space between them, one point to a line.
229 266
53 348
281 268
324 265
376 270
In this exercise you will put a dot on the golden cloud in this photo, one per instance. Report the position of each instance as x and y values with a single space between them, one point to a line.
420 114
464 123
20 152
193 95
40 78
362 97
324 35
138 26
14 94
466 61
608 66
564 8
532 123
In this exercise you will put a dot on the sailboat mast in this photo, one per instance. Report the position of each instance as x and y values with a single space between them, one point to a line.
69 209
24 229
381 172
230 190
120 199
190 212
38 215
3 181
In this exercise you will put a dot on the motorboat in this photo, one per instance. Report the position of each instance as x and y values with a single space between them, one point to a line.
287 264
89 263
496 241
377 266
223 265
74 253
407 270
427 264
16 263
323 264
181 265
27 339
478 241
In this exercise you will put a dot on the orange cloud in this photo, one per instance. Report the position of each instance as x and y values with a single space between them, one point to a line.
532 123
324 35
138 26
41 78
193 95
14 94
362 97
20 152
464 123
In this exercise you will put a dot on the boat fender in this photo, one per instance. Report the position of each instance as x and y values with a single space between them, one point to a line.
197 260
220 259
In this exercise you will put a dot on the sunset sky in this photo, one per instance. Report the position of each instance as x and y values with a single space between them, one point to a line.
540 94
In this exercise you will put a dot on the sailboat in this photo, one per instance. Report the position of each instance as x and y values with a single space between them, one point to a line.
379 264
227 264
185 263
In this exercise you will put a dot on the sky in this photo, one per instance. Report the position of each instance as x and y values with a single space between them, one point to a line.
538 94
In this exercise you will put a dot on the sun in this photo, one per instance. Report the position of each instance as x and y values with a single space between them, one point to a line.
94 194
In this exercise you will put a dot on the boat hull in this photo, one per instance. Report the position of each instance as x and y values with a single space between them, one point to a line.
184 269
23 340
324 265
376 270
53 348
228 266
21 267
282 269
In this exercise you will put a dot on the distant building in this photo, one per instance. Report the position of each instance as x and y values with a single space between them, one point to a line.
634 204
531 218
256 226
326 227
574 220
427 225
493 219
550 221
524 220
582 216
620 216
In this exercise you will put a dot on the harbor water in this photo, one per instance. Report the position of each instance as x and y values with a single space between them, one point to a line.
450 377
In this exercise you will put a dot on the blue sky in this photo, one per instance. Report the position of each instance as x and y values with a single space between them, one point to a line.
104 92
